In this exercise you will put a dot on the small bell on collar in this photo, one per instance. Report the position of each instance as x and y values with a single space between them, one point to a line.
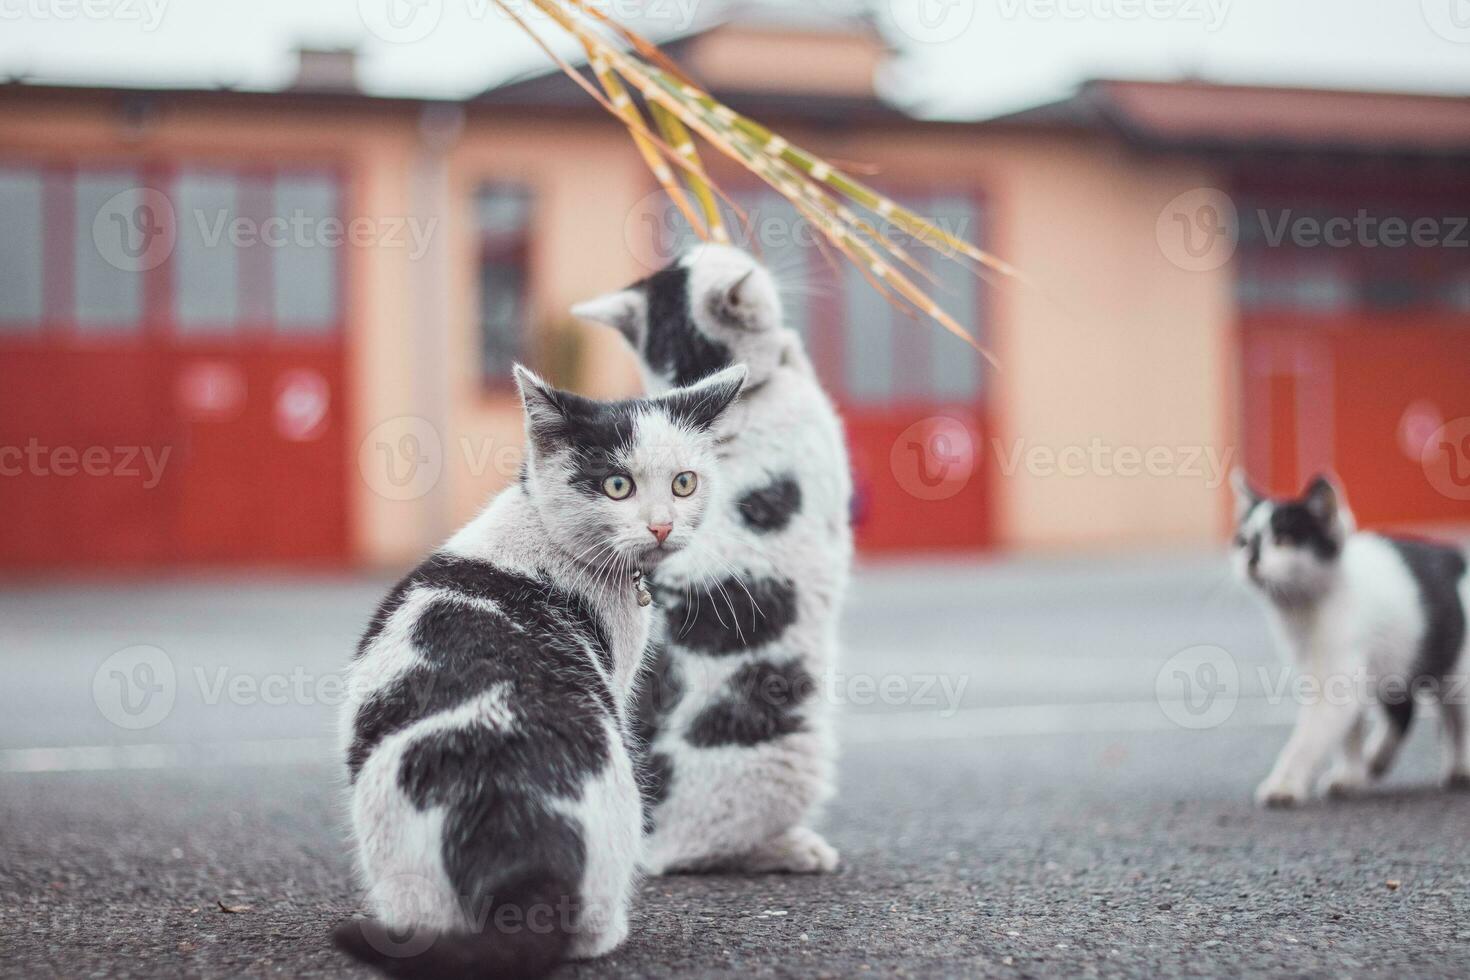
641 588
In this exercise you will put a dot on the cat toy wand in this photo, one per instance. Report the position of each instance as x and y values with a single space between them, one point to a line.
834 201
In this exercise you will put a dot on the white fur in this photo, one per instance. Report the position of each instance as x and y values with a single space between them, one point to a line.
611 808
544 532
735 805
398 846
1349 627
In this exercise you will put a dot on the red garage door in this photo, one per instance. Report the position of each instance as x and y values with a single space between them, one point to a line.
171 379
1355 349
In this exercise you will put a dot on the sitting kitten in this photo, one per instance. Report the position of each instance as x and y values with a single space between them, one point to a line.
738 732
1383 616
494 803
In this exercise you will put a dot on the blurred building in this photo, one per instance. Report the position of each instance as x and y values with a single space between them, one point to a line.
276 327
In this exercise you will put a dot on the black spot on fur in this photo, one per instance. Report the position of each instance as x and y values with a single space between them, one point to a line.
1294 525
673 346
557 737
590 471
568 419
1437 571
760 702
1400 708
596 436
542 736
655 780
534 602
390 604
522 930
731 615
659 690
701 409
534 643
770 508
493 788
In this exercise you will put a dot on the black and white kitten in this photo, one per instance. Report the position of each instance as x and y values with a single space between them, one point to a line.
1371 620
494 803
739 734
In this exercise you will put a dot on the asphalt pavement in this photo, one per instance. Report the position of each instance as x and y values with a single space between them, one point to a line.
1047 771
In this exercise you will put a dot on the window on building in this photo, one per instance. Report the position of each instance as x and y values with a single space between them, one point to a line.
115 227
504 218
215 248
1309 284
1345 258
206 260
891 356
955 374
21 249
867 340
304 256
866 351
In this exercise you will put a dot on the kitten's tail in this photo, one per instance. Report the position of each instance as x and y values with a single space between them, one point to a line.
525 946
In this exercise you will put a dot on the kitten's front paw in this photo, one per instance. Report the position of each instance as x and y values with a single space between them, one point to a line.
1457 782
1279 796
799 850
590 943
1344 781
812 854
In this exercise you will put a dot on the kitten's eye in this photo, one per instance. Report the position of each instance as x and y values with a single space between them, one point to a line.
618 487
685 483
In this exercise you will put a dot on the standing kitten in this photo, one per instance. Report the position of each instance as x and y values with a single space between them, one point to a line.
739 736
1370 620
494 803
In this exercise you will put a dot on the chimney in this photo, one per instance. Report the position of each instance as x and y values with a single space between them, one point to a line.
325 70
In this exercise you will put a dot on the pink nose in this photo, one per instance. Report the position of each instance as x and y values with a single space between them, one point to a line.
660 531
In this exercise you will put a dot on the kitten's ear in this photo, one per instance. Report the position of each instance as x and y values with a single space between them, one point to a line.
1323 499
545 414
701 404
734 293
624 311
1245 497
744 302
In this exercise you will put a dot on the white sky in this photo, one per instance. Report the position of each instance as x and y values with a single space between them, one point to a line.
960 57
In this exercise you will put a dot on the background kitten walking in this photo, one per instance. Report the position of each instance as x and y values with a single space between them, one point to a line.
1371 619
494 803
733 711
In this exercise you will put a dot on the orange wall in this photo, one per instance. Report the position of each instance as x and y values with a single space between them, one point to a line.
1111 343
584 179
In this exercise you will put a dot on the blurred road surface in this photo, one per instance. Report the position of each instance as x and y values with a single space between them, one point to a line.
1047 771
